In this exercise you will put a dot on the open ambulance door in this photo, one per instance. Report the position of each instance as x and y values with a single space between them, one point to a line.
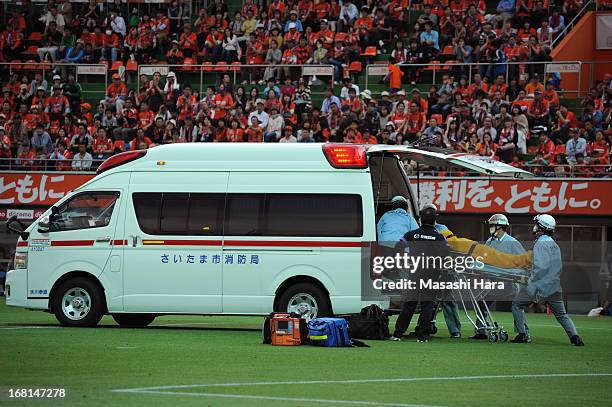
438 157
444 158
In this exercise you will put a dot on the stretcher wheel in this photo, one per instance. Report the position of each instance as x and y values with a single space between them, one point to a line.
503 336
493 337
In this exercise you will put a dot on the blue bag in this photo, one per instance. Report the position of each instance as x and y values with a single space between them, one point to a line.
331 332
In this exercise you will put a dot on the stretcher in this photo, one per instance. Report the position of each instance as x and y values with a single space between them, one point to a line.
473 300
499 267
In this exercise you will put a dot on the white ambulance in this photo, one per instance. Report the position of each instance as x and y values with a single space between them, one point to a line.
216 229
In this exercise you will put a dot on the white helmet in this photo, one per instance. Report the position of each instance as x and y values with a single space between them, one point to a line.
545 222
399 199
498 220
429 206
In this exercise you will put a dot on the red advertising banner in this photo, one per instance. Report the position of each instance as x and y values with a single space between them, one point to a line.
469 195
550 195
38 188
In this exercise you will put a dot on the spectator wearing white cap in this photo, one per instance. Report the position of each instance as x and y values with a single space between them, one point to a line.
37 82
261 115
293 20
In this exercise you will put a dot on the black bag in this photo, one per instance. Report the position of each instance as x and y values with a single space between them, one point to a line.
370 323
267 330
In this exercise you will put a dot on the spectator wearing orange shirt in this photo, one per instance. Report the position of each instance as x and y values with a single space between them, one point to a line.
547 147
175 56
534 84
394 76
102 146
188 42
116 93
254 131
141 142
537 112
601 146
145 117
235 133
222 104
221 132
521 101
161 28
421 102
57 105
415 124
552 97
186 103
478 84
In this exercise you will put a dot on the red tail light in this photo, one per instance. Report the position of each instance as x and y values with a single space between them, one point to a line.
120 159
345 155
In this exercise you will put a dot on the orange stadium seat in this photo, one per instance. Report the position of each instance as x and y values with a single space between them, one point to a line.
369 52
221 67
116 65
207 66
131 66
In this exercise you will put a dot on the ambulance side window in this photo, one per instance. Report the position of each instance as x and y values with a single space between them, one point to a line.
324 215
84 211
173 213
307 215
244 214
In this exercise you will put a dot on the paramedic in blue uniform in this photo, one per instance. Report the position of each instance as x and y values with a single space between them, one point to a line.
426 241
450 310
544 283
395 223
500 240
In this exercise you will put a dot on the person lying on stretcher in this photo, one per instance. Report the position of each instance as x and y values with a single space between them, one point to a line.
488 254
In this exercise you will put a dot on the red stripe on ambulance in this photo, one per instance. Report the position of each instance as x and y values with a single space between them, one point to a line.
290 243
72 243
181 242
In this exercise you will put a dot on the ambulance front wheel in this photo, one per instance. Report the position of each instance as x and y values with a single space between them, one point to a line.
133 320
305 299
78 302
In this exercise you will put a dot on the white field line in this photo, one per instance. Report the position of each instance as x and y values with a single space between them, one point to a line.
29 327
359 381
194 323
271 398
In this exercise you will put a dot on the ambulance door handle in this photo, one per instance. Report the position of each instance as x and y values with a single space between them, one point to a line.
105 239
134 240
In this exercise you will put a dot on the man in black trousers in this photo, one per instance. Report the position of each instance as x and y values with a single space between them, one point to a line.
425 242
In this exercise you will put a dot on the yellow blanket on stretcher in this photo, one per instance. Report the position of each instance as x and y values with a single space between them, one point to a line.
488 254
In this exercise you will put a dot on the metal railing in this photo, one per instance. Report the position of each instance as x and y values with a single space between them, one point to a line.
236 71
48 164
47 68
565 67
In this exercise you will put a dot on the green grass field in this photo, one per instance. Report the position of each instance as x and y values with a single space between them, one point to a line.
227 351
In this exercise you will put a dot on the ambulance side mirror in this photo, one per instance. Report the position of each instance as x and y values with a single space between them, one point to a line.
44 225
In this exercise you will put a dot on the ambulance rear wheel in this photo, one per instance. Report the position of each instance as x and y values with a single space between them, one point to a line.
78 302
305 299
133 320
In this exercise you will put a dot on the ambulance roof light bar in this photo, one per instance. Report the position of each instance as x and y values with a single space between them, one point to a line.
345 155
120 159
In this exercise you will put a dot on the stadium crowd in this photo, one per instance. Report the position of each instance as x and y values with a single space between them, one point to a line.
495 110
